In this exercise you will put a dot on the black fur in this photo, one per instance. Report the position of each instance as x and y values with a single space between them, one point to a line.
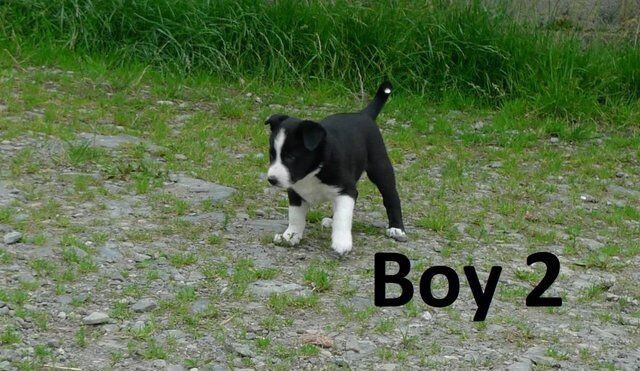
346 145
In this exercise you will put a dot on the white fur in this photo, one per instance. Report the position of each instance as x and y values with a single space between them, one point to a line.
297 222
397 234
277 169
313 190
387 91
341 240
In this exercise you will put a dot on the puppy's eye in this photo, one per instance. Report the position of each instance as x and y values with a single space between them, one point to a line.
288 158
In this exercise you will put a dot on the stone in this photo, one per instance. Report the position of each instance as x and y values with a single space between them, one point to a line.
144 305
137 326
266 288
386 366
427 316
96 318
590 244
364 346
626 191
588 199
198 190
199 306
114 141
242 350
159 363
109 254
117 276
523 365
25 277
64 299
267 225
477 125
212 217
12 237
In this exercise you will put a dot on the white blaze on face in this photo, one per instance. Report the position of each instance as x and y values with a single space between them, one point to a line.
277 169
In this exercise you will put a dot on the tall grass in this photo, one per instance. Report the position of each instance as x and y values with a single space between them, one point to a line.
432 48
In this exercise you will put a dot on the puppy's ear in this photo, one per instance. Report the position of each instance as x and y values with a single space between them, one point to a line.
275 120
312 134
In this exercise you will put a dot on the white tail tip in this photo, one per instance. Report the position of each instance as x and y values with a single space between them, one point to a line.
387 91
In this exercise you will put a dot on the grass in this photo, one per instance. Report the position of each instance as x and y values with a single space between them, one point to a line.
449 50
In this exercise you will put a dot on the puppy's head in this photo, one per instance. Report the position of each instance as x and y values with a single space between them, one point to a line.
295 149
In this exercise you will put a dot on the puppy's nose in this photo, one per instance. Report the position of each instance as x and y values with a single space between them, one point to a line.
272 180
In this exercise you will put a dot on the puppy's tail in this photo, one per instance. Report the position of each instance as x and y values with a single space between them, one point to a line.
374 108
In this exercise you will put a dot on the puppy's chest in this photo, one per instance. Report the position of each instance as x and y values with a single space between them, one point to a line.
312 190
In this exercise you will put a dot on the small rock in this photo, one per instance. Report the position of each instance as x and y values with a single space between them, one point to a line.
590 244
199 306
96 318
141 257
386 366
477 125
12 237
117 276
427 316
62 315
589 199
523 365
180 157
554 140
626 191
138 326
160 363
242 350
165 103
109 255
144 305
266 287
545 361
25 277
364 347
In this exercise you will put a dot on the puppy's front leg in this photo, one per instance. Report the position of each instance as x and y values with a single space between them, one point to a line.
341 240
297 220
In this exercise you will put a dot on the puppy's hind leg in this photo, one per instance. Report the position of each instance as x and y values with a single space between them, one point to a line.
297 220
381 173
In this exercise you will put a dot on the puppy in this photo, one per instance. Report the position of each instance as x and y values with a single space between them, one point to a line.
322 161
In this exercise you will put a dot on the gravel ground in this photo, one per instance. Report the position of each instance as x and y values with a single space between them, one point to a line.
117 254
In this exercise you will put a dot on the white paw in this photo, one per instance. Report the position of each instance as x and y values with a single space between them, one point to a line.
397 234
292 238
341 243
327 222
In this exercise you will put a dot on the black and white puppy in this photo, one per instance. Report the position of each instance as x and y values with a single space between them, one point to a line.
323 161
